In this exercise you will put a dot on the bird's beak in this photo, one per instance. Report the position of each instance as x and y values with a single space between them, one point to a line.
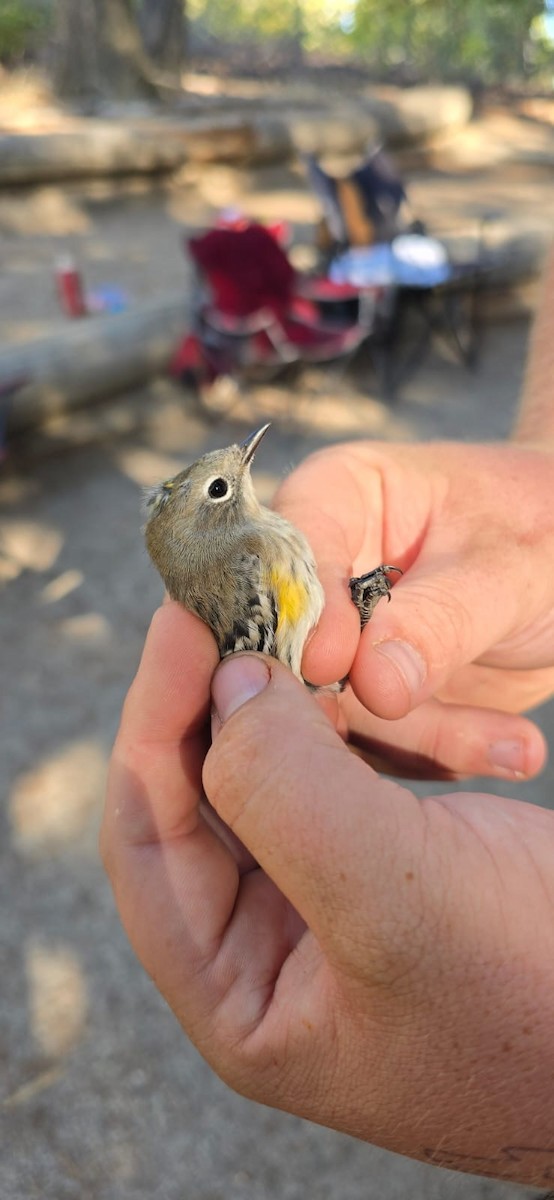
250 445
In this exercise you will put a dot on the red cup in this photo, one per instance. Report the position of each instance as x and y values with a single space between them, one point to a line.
70 288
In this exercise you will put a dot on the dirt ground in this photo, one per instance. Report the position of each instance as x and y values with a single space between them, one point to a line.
101 1096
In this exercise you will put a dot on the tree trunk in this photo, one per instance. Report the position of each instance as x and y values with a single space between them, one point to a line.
100 53
74 50
162 23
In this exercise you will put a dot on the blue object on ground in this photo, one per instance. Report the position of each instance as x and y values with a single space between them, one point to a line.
108 298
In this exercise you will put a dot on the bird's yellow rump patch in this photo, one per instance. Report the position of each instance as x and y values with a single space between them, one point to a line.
291 595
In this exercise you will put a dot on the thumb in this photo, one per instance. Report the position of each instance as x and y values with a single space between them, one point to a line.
445 612
317 819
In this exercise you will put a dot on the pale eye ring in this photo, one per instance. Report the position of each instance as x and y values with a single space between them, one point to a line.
218 488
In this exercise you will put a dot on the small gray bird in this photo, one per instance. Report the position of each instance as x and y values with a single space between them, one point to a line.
243 569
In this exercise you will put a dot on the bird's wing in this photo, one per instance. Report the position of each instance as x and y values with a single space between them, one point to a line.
254 624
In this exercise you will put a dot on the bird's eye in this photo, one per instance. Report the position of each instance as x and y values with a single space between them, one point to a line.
218 489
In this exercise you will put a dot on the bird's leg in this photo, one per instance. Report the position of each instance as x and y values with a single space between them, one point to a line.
366 590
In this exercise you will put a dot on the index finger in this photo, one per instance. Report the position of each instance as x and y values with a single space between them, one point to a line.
158 753
322 499
174 879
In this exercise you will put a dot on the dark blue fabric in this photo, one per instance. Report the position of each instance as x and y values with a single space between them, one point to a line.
381 190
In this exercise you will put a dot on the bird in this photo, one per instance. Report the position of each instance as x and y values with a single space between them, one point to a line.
245 570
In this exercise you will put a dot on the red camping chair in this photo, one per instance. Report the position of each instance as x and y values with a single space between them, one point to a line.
255 315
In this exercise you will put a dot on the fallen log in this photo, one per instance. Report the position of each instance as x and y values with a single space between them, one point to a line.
412 116
91 359
97 148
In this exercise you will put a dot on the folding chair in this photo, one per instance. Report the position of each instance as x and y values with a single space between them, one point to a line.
368 213
255 315
366 207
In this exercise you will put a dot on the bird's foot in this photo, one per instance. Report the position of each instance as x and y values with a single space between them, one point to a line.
366 590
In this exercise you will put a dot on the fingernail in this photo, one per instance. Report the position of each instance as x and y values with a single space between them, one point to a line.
508 754
235 682
407 661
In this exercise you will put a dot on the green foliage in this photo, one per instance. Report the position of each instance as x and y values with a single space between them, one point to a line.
247 18
316 23
444 37
436 38
21 24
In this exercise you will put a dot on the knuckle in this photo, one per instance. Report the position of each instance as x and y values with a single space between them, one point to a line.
445 746
443 621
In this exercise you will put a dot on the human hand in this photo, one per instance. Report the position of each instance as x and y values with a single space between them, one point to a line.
468 639
387 969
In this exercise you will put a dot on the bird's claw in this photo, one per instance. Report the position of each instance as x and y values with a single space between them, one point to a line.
366 590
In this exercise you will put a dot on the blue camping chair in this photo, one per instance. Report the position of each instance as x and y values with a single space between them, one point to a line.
368 228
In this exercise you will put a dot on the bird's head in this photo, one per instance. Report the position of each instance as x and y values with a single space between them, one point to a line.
213 492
